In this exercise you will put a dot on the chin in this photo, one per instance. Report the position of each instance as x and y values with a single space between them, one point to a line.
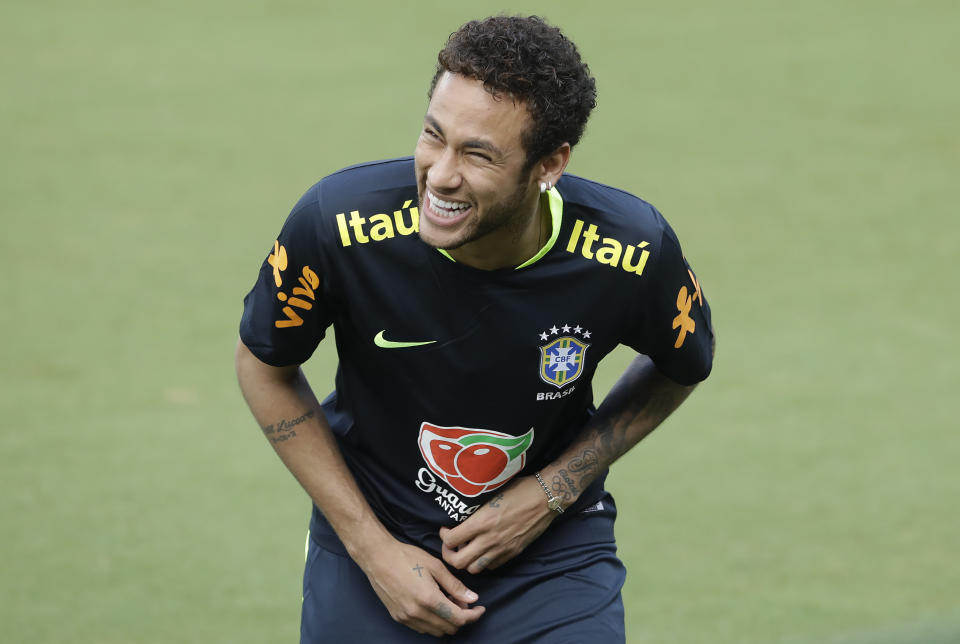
440 243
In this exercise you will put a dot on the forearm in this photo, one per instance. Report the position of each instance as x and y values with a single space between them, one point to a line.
406 579
639 401
290 416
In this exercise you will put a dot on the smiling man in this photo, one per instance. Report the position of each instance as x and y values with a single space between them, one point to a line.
457 469
473 178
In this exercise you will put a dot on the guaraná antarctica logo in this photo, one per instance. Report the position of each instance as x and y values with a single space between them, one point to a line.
562 359
473 461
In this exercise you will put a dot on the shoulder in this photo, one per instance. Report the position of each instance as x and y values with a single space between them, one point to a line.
334 206
359 186
372 175
613 208
358 218
608 226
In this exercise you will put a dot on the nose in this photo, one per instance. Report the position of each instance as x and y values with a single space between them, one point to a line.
444 173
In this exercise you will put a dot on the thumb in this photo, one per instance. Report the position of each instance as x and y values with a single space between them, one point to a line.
453 586
451 538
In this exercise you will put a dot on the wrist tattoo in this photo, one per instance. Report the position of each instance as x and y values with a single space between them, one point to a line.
495 501
564 486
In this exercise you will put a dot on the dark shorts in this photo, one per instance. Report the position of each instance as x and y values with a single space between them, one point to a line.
564 589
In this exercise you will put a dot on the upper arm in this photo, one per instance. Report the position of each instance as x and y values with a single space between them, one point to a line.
250 366
287 312
671 321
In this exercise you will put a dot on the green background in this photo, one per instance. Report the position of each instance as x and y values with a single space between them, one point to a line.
805 153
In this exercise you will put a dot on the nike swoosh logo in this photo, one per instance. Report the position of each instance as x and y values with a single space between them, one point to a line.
383 343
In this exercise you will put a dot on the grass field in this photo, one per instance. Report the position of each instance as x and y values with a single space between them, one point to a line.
806 153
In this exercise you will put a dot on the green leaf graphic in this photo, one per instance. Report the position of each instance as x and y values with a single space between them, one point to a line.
514 446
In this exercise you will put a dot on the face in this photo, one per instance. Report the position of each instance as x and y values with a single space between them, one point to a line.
475 195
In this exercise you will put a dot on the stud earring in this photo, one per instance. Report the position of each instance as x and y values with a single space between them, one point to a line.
544 186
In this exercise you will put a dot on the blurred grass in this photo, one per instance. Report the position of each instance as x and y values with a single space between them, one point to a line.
806 155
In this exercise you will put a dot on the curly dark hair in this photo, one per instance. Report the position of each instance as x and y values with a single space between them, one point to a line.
535 64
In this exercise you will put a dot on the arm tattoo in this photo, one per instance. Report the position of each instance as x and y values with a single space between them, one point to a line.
495 501
283 431
563 486
442 610
637 404
585 463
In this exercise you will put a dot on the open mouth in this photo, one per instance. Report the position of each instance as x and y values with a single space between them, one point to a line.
446 209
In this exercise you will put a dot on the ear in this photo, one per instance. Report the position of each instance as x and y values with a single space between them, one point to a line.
551 167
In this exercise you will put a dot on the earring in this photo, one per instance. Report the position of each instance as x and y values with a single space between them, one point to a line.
544 187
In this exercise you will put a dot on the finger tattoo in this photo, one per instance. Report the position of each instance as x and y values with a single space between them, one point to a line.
442 610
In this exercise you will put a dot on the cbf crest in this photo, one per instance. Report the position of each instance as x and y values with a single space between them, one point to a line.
562 359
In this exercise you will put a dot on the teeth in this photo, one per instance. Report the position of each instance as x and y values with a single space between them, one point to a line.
446 208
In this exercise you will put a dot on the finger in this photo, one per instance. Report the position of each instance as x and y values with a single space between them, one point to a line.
446 617
451 538
481 563
453 586
432 629
423 621
456 537
429 628
471 615
435 616
447 553
459 559
443 618
466 554
456 558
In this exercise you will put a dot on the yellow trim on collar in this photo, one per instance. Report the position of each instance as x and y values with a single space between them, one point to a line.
555 203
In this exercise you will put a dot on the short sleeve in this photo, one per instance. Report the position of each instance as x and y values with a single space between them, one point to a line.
287 312
672 321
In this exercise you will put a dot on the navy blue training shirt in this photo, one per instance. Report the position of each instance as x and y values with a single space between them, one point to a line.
453 380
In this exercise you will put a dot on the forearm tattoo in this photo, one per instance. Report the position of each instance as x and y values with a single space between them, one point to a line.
284 430
563 486
639 402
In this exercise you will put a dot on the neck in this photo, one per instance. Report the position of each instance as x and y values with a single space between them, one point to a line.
510 248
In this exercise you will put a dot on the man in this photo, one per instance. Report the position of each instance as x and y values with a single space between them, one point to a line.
457 469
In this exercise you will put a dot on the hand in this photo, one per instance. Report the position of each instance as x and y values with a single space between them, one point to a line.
500 530
411 584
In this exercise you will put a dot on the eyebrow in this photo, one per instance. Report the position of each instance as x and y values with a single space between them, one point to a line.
470 143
